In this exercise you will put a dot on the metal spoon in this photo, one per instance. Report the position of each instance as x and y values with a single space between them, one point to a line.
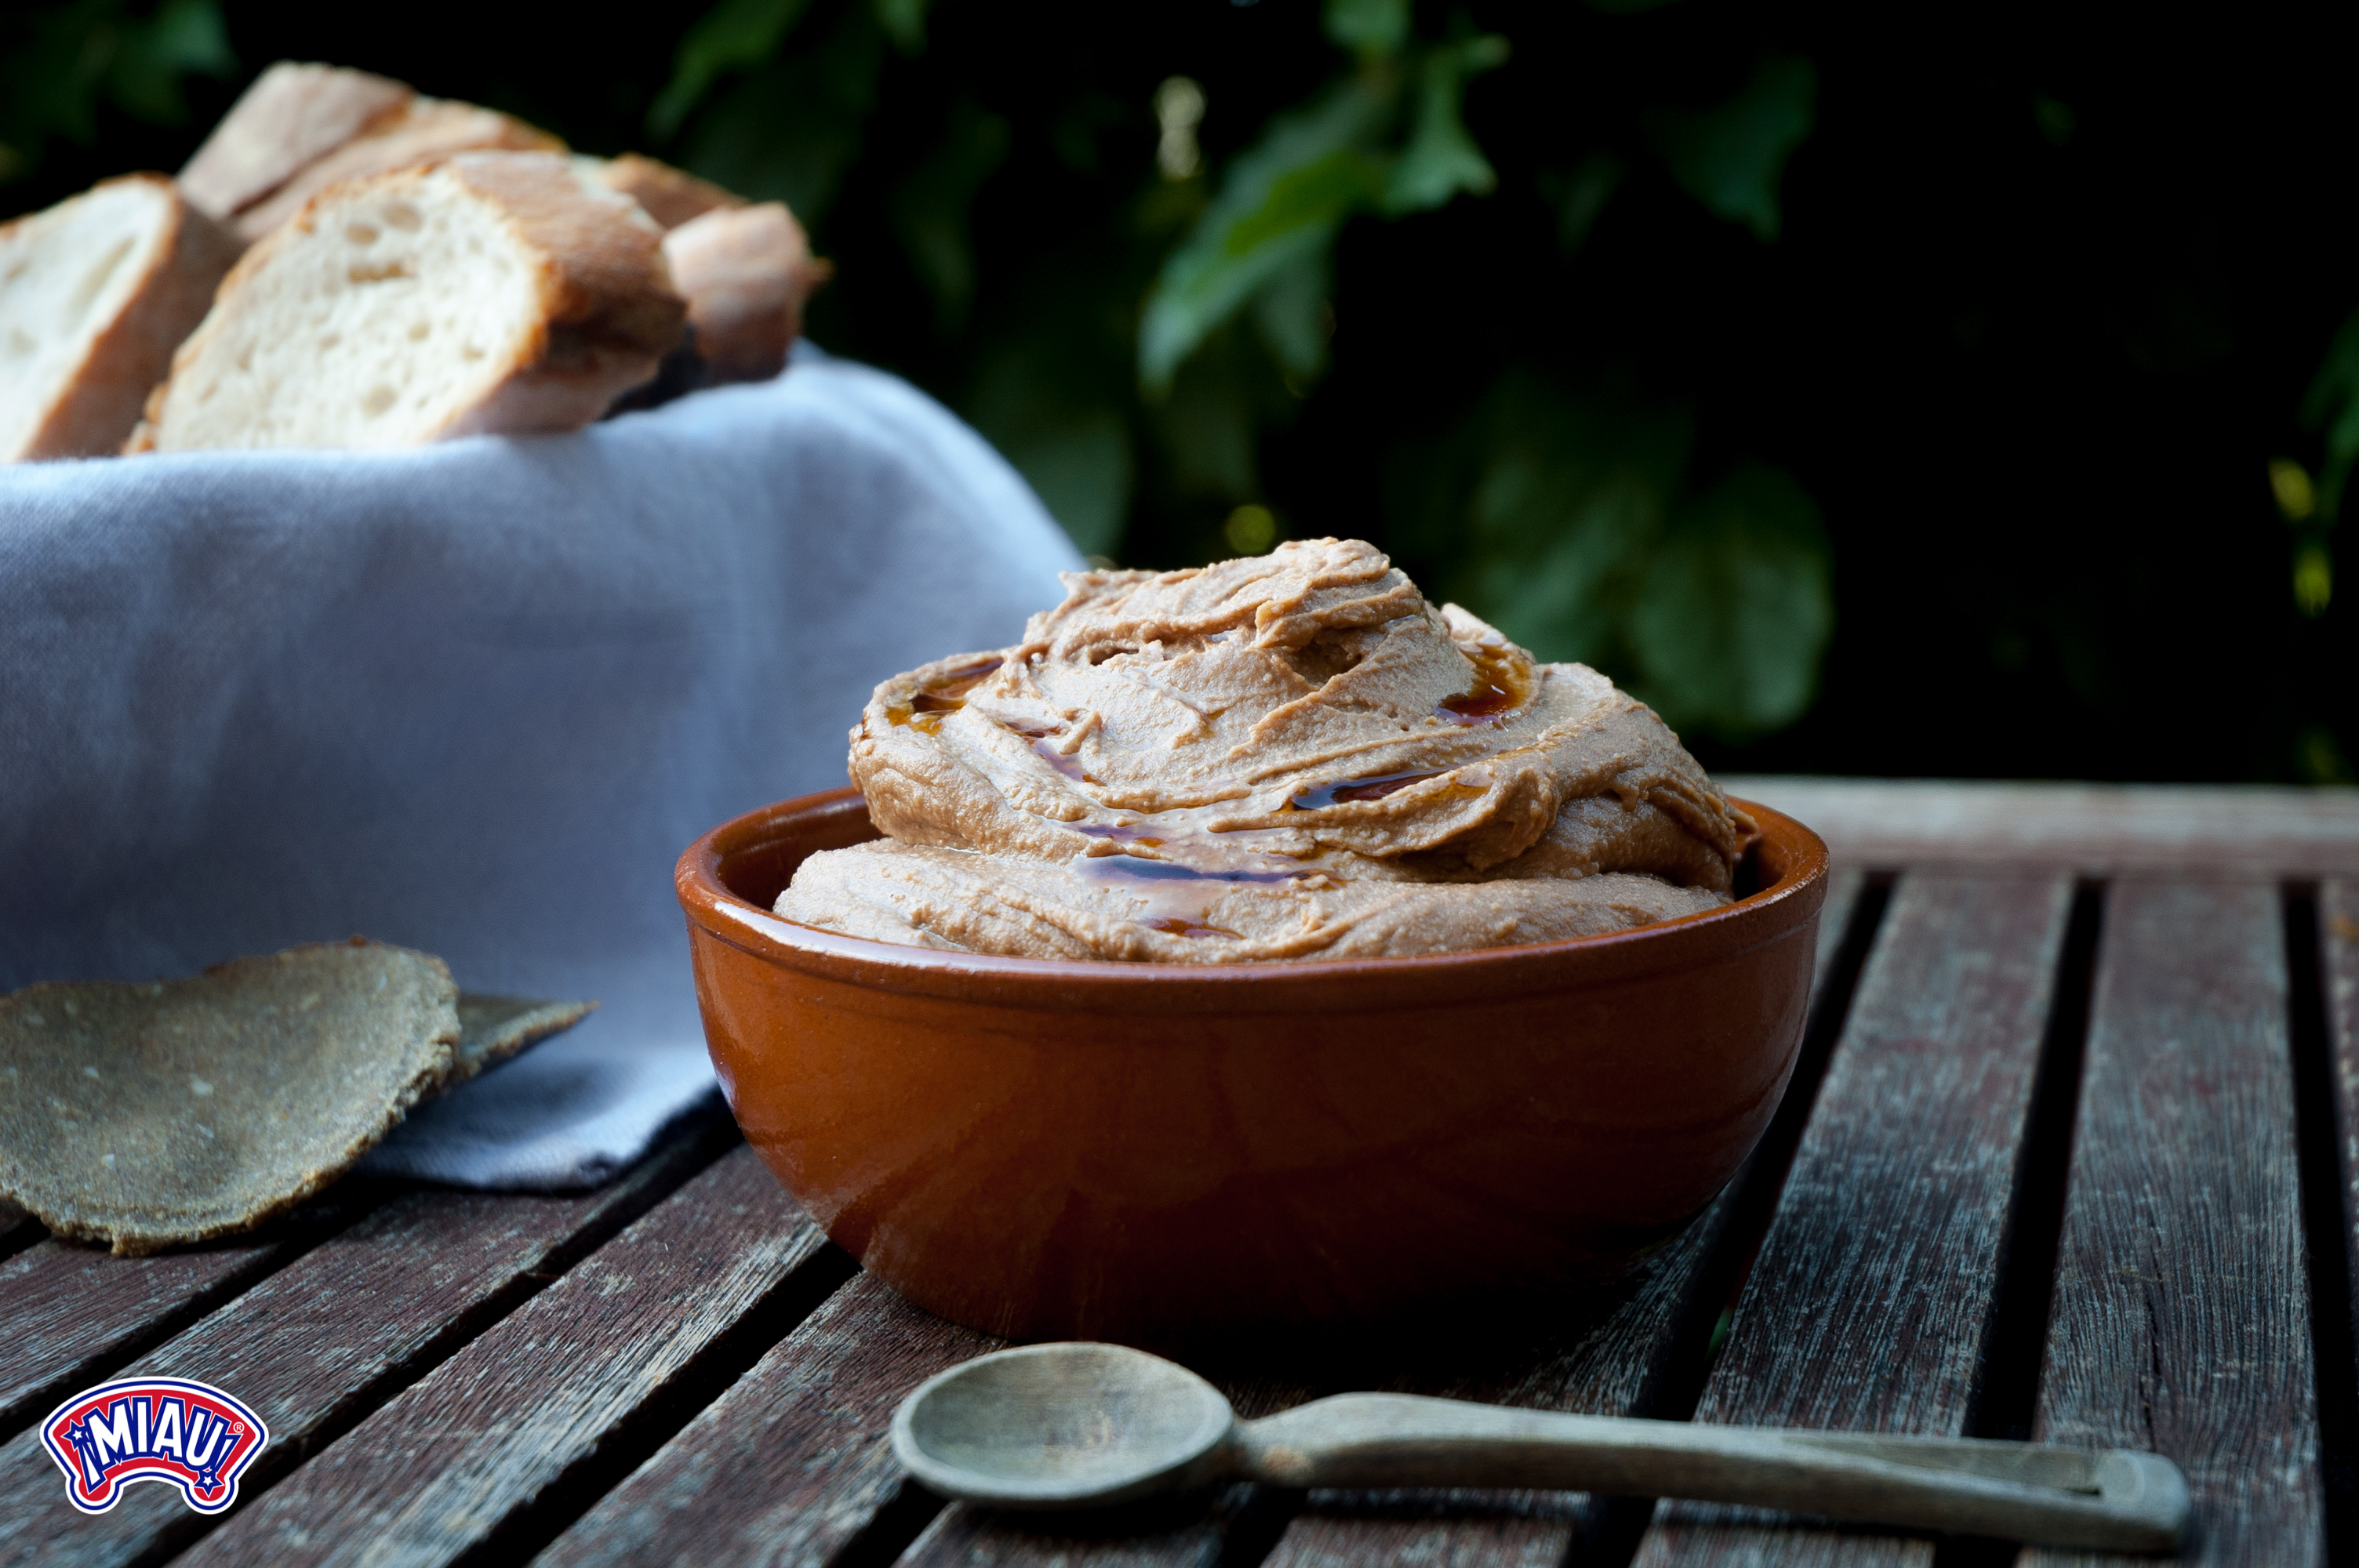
1079 1425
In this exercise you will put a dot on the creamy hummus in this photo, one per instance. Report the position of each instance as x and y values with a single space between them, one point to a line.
1289 756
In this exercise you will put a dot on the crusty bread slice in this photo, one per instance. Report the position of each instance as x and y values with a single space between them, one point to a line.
745 273
491 292
671 196
294 114
94 296
425 129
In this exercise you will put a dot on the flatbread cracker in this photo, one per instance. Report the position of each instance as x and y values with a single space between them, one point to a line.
494 1028
148 1115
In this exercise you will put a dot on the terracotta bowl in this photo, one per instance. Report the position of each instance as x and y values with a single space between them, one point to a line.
1157 1153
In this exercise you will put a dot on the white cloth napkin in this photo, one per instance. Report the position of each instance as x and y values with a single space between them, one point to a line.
475 698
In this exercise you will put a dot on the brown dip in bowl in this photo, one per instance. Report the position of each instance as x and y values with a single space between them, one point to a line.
1156 1153
1285 756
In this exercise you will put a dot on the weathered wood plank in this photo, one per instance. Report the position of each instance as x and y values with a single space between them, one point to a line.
1869 1303
2245 829
1186 1534
2181 1315
2338 940
795 1459
437 1472
69 1312
322 1340
1605 1358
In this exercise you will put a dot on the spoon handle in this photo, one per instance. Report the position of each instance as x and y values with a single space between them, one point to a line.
2116 1499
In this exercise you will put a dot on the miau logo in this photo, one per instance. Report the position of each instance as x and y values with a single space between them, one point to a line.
191 1435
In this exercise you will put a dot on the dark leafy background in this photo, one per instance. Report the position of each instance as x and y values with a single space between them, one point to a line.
1876 390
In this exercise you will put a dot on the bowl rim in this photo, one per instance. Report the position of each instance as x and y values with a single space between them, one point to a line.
1778 912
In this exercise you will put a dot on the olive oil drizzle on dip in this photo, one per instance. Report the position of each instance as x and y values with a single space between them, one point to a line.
1308 756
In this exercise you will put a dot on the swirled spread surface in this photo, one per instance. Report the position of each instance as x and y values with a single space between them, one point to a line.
1288 756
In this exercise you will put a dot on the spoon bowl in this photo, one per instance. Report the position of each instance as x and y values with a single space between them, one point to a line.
1070 1425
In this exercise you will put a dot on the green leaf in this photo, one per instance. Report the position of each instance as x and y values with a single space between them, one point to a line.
1318 196
790 129
1076 458
57 62
1082 472
1734 617
185 38
1209 425
732 37
1369 28
1291 313
931 204
1579 197
1563 602
1539 510
2332 402
49 82
1279 207
1568 503
1732 156
1441 158
1281 203
904 22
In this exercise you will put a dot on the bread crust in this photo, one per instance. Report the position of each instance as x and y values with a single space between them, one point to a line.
670 196
102 403
607 309
293 115
426 130
745 273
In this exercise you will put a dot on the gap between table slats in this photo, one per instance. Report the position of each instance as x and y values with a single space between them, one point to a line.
789 1464
18 1230
316 1346
1871 1303
71 1313
506 1441
2323 942
2181 1315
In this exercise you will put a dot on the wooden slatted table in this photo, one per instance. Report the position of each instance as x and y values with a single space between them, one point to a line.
2072 1153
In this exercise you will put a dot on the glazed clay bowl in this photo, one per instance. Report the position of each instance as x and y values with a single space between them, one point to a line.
1158 1154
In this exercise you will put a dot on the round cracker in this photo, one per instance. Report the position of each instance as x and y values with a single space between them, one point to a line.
146 1115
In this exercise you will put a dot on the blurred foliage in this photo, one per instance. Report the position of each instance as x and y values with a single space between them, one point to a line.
1730 155
1386 140
1567 520
1716 606
2313 507
1653 330
58 64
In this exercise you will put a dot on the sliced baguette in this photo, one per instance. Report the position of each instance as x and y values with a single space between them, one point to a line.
425 129
671 196
95 294
487 293
293 115
745 273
